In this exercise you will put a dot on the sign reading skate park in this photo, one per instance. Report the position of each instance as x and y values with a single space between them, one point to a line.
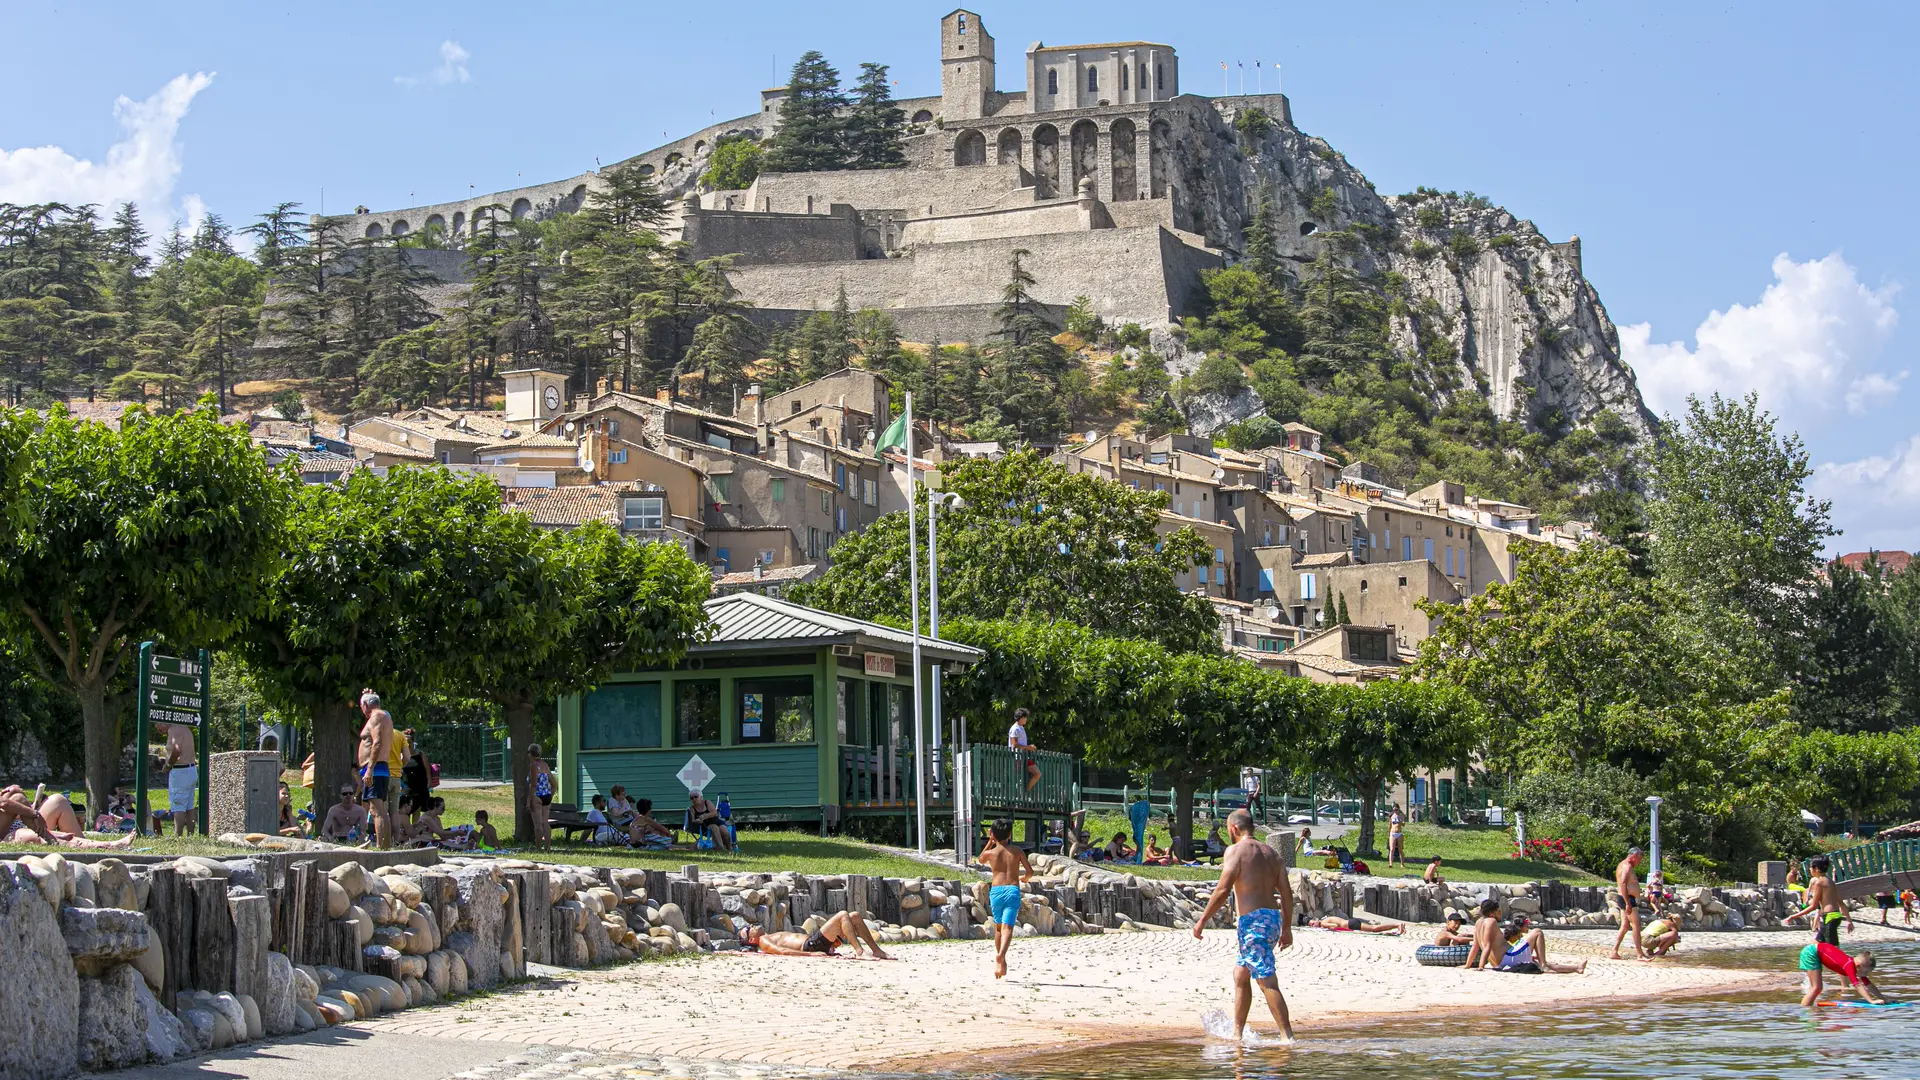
173 690
695 774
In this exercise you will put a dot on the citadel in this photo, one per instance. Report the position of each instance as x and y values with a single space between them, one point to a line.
1098 167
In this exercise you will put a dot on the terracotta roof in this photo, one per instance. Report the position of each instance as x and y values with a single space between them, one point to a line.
381 446
1893 562
1326 558
100 412
534 440
1105 45
772 573
567 506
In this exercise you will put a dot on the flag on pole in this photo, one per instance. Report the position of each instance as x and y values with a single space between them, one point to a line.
894 438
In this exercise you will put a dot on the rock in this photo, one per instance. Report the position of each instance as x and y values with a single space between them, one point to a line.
1522 905
375 908
200 866
37 1032
45 880
437 972
229 1009
362 926
200 1025
911 901
99 938
83 884
422 934
165 1037
152 964
672 918
250 1009
350 876
456 973
334 1010
337 900
411 967
483 914
278 1015
113 885
112 1023
405 892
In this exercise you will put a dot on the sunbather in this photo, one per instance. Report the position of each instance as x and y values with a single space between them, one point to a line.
1335 922
644 831
845 928
22 823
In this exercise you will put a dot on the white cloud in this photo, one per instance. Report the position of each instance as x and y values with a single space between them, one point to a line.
1808 346
141 168
1877 497
452 69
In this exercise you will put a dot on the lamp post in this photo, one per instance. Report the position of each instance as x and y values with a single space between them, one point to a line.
1653 841
935 500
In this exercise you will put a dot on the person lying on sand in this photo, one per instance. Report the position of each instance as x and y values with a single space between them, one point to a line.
1450 934
1335 922
846 928
1856 969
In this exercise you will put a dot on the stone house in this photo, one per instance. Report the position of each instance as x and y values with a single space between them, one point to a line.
1388 593
1347 654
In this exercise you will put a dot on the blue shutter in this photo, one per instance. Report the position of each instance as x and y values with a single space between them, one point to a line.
1429 549
1266 580
724 557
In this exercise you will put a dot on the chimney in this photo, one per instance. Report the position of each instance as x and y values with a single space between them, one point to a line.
759 570
750 409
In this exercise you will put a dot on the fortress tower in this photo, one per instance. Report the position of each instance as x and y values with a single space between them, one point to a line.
966 66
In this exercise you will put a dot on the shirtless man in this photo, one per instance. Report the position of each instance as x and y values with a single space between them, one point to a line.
183 776
347 819
1264 901
846 928
1824 899
376 744
1488 942
1450 934
1626 884
1010 868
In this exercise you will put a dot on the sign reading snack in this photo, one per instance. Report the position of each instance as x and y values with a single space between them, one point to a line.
879 663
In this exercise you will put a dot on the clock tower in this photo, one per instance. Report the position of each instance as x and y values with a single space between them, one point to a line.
534 394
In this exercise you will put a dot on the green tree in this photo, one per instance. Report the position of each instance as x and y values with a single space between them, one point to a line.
735 163
1023 364
1034 541
811 134
1847 678
1860 776
1734 529
166 527
874 125
1372 734
1261 246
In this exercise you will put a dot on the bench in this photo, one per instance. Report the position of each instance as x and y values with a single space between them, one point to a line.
567 818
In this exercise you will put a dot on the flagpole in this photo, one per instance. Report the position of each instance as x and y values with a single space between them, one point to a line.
913 574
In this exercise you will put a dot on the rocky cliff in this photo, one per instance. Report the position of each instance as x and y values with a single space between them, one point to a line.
1482 291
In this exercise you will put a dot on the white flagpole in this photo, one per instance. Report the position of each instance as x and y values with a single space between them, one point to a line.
913 564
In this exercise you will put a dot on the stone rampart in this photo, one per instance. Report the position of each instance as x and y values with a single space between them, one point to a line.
752 238
914 191
1055 216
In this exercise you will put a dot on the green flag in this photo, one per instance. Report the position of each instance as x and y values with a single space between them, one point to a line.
894 438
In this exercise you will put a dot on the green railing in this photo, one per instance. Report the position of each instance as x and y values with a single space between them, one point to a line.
466 751
1868 860
1000 782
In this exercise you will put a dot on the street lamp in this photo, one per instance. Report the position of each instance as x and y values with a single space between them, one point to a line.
935 500
1653 842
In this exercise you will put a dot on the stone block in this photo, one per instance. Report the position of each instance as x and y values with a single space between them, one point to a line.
99 938
38 1037
252 930
277 997
483 917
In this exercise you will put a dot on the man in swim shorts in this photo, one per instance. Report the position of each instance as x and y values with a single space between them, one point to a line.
1855 969
1626 883
1257 880
1335 922
845 928
1010 868
183 776
1823 903
376 748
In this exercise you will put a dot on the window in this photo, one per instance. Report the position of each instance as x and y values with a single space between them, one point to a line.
1143 76
722 488
1406 548
1219 575
846 699
1403 583
696 712
1053 80
1307 591
796 408
779 488
840 519
616 457
621 715
1266 580
1123 75
963 24
723 556
840 477
645 513
613 429
870 492
813 542
826 501
1363 584
776 710
766 556
1219 556
1449 530
1159 77
1428 550
1093 80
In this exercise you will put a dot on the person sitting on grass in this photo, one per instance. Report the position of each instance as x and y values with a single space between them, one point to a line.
644 831
1082 847
22 823
1336 923
1118 850
1526 952
1156 855
1450 934
427 829
1216 847
484 835
1661 935
603 830
347 820
845 928
119 816
619 807
1856 970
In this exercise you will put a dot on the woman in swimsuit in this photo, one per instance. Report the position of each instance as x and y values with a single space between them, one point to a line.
540 796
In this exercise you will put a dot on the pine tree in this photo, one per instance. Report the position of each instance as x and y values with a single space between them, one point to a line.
1262 254
1023 362
275 234
213 236
875 124
811 132
1341 618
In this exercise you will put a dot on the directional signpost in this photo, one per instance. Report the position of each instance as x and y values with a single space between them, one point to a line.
172 690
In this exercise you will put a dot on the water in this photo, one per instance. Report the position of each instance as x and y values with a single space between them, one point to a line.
1748 1036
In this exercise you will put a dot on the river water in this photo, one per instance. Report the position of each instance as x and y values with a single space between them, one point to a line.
1744 1036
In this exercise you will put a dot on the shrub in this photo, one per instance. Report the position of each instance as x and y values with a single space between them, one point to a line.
734 165
1463 246
1081 321
1253 123
1431 217
1324 204
1422 250
1544 849
1504 240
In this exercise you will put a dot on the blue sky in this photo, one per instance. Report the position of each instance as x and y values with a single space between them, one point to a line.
1738 173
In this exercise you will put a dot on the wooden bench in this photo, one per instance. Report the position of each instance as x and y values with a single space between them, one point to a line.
567 818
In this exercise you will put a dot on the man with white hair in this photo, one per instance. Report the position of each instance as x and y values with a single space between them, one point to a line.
376 742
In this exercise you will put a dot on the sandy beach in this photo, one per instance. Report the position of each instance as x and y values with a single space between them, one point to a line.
939 1001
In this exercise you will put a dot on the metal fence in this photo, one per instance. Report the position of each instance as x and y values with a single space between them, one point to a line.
467 751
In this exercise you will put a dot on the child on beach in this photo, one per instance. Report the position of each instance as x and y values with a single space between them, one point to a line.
1450 934
1010 868
1856 969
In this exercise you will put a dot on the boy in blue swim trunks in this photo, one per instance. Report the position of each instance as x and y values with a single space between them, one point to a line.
1258 881
1010 868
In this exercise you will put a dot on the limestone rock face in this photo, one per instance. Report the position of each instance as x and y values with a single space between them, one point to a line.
1518 317
38 1037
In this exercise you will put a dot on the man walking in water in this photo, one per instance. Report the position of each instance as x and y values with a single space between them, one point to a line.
1823 903
1010 868
1264 900
1626 882
376 744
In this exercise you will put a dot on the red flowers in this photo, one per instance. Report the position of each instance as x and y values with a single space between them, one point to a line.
1549 849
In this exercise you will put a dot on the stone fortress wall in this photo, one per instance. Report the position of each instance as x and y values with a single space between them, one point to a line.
1083 168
